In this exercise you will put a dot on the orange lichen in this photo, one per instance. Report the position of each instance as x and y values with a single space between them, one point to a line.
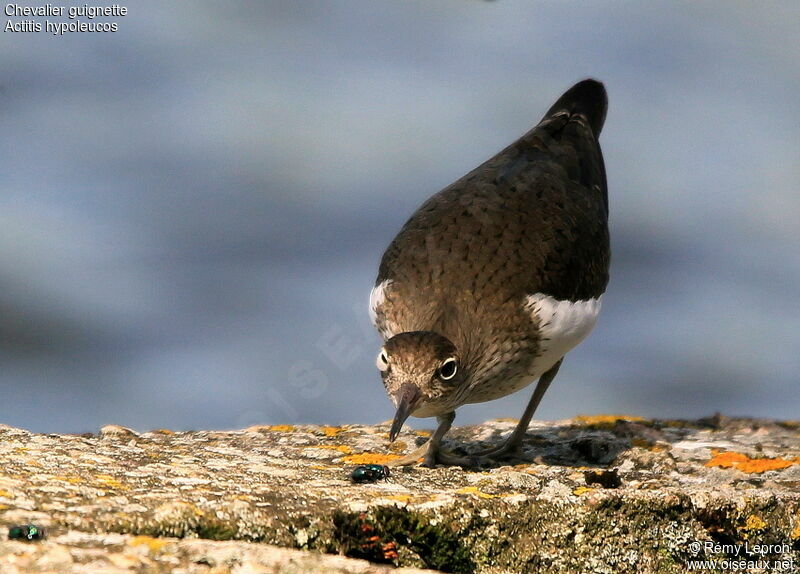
754 522
344 449
108 481
582 490
744 463
69 479
163 431
727 459
474 490
423 433
267 428
398 446
331 431
405 498
154 544
370 458
764 464
606 419
796 532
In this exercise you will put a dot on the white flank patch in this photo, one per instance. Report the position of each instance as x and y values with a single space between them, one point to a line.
376 299
562 325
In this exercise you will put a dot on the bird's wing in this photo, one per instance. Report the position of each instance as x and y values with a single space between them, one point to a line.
532 219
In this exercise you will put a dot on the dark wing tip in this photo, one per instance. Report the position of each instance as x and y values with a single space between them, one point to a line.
587 97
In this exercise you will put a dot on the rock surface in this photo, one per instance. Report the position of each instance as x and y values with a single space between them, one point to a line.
592 494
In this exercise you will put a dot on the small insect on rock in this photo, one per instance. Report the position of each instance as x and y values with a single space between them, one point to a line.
27 532
369 473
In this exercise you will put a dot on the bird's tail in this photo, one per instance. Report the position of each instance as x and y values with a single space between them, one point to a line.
587 98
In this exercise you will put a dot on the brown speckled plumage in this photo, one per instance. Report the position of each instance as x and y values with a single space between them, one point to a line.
530 220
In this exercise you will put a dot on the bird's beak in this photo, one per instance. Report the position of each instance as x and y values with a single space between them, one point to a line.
407 398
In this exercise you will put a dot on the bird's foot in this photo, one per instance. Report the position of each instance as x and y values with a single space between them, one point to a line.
508 450
431 456
412 457
491 457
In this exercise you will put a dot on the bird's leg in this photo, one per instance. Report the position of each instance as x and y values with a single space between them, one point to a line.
434 445
431 451
514 442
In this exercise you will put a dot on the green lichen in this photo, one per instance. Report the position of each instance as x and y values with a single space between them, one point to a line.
387 532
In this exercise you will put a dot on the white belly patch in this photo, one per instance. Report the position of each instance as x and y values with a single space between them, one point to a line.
376 299
562 325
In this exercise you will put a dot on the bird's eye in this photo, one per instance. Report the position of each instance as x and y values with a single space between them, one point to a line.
382 361
448 369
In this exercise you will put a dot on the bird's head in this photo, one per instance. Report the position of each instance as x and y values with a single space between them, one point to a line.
420 369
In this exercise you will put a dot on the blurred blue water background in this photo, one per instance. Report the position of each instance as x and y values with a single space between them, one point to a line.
192 209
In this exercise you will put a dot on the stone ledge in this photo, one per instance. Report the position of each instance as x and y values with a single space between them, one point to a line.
719 480
79 552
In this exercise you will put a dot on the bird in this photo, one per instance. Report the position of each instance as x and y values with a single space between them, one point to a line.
496 277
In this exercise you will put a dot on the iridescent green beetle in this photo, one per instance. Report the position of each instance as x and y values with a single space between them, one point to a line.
369 473
28 532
